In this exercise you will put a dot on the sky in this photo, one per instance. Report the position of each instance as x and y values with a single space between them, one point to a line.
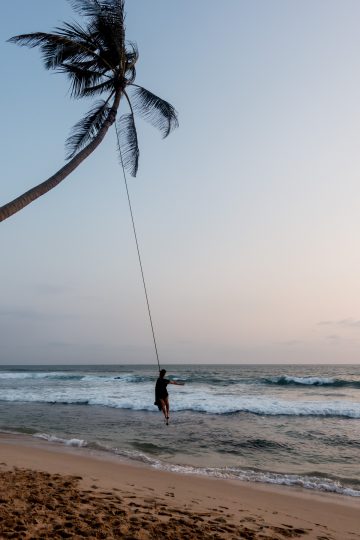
247 215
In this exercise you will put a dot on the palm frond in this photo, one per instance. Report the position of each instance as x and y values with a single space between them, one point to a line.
54 42
155 110
111 11
30 40
131 57
81 79
86 41
109 23
75 32
132 53
86 8
106 86
96 8
101 41
128 143
87 128
55 47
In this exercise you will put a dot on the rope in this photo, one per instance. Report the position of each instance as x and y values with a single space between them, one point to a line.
138 249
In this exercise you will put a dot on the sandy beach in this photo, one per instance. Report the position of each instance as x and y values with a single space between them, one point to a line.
51 491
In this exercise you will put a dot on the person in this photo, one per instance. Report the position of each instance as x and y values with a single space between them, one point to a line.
162 396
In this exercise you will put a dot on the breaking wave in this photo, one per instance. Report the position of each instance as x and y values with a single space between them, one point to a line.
311 381
131 399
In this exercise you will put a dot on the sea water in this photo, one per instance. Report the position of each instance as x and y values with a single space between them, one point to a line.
292 425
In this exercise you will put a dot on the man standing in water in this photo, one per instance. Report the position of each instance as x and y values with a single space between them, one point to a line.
161 394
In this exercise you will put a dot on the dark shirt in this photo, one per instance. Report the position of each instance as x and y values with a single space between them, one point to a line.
160 389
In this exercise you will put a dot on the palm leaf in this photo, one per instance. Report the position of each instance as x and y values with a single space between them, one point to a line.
106 86
87 128
96 8
81 79
128 143
132 53
51 45
131 57
106 24
86 8
110 25
86 41
55 47
155 110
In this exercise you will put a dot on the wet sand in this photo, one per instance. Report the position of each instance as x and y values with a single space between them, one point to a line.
51 491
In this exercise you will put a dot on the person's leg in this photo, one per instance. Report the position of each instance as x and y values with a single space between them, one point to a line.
163 407
167 407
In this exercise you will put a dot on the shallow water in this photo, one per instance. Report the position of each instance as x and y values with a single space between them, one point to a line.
295 425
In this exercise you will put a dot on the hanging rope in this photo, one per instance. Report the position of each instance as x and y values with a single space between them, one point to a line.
138 249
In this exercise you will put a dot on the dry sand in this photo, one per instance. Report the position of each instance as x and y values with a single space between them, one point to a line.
48 491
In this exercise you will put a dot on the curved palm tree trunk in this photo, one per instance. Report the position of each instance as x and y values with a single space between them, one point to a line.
34 193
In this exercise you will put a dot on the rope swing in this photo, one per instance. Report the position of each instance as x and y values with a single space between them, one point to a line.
138 249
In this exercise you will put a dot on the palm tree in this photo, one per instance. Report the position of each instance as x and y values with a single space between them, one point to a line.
98 61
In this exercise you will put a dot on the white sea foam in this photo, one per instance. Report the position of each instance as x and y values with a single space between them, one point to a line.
308 380
68 442
233 473
307 482
123 377
246 475
64 376
136 392
31 375
131 396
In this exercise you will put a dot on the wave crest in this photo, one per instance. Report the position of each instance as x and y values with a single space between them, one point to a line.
210 404
311 381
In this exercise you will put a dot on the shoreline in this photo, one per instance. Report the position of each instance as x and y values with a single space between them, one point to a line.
210 505
290 481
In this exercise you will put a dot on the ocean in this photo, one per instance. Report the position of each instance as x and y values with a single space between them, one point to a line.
279 424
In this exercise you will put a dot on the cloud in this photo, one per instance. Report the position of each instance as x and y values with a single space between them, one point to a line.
48 290
30 314
350 322
20 313
75 346
290 342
